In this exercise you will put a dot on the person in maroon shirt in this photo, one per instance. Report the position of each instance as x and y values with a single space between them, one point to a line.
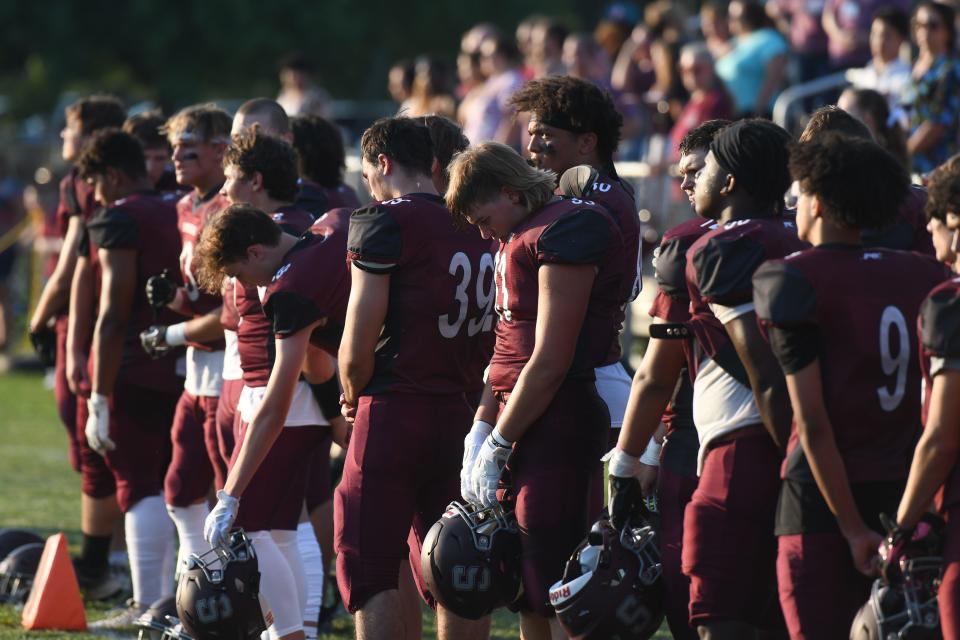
559 277
709 99
935 471
660 380
420 286
321 158
837 318
77 204
132 395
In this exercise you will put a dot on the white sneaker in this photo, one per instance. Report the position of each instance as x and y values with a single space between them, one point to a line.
121 617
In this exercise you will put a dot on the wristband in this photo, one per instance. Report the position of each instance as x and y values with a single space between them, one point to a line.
621 464
486 426
651 455
499 440
176 335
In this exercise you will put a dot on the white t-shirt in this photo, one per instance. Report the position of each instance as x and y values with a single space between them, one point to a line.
204 372
231 357
304 410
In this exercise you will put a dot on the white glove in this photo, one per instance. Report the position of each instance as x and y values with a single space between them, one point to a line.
216 528
98 424
489 467
621 464
471 447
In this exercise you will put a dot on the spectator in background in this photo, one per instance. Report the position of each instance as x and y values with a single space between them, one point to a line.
524 35
709 99
667 95
848 26
755 68
546 47
321 161
145 127
801 22
300 94
431 92
871 107
400 83
715 27
932 98
615 26
886 72
487 116
12 223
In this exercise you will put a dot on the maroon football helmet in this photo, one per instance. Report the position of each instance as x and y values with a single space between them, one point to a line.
611 586
470 559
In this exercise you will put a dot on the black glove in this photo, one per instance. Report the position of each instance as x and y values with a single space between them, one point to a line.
45 344
327 395
161 290
625 499
153 340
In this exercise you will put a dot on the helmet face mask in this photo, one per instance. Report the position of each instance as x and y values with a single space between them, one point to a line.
218 594
470 559
17 571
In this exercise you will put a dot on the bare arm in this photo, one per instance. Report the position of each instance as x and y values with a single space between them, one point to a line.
765 374
118 287
937 451
562 305
773 79
489 406
270 417
56 293
652 389
925 137
205 328
366 312
79 325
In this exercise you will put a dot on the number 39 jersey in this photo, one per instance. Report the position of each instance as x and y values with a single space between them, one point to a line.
853 309
438 333
568 231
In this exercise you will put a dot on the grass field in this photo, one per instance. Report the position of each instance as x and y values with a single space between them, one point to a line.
41 492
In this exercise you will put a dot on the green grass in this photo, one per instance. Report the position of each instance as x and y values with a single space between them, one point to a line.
41 492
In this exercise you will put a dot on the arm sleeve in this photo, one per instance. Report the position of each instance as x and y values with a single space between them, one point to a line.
940 323
114 229
671 267
289 313
785 302
724 267
327 396
581 237
374 242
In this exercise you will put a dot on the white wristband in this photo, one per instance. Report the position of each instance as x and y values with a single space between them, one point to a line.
500 440
176 335
651 456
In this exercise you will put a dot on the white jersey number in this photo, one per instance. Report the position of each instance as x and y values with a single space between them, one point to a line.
893 364
460 264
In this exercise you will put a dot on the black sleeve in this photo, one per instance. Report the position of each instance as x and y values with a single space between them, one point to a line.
671 268
327 396
724 267
794 347
289 313
581 237
374 242
114 229
83 242
786 304
940 323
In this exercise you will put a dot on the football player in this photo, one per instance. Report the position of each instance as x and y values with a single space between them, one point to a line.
145 127
837 317
738 388
662 379
199 137
132 395
296 331
321 158
559 278
935 461
420 304
98 505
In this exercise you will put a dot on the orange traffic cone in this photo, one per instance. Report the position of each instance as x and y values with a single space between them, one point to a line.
55 601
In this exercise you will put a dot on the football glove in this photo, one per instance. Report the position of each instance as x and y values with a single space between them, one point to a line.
45 344
488 468
154 341
624 492
216 528
471 447
98 424
160 290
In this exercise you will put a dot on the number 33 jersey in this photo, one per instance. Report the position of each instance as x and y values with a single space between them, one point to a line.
438 333
569 232
854 309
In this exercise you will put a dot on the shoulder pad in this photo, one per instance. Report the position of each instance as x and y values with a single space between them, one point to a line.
581 237
374 241
940 321
783 295
725 265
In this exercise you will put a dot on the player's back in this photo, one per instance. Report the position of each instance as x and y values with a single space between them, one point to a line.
440 297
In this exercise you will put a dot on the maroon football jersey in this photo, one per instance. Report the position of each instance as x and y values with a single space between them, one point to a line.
76 199
565 231
313 283
860 304
333 221
342 196
720 265
939 329
909 231
618 198
255 341
193 211
147 224
437 335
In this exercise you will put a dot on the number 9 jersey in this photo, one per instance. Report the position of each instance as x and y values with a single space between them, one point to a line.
853 309
438 333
